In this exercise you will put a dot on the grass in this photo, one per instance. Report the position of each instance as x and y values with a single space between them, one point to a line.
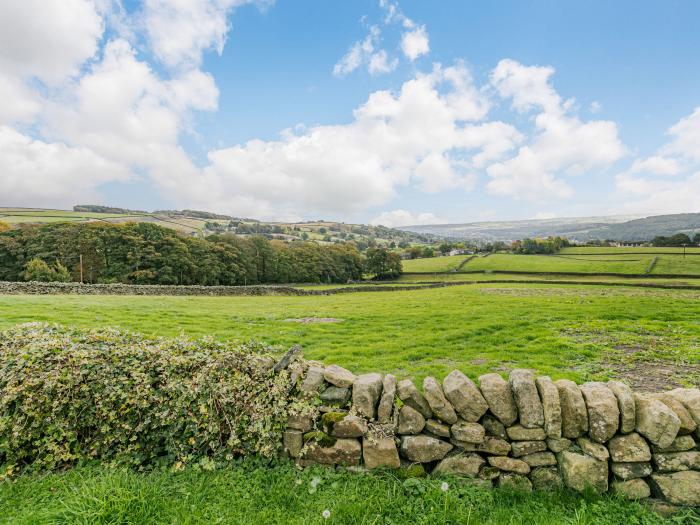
677 264
478 328
626 250
253 493
560 263
434 264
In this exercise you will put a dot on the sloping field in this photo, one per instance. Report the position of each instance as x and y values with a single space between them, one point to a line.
434 264
623 264
593 250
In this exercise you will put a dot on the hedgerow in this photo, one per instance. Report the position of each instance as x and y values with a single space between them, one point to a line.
69 396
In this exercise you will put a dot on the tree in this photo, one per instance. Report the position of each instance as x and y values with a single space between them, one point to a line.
4 227
696 239
38 270
383 264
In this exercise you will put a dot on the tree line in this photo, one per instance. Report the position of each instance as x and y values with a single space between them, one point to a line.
145 253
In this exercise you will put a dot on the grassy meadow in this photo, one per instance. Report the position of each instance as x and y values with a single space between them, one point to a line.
622 261
578 332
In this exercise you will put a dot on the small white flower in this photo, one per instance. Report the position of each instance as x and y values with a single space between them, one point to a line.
315 482
445 486
326 514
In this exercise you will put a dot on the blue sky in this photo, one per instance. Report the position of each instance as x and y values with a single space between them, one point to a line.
383 111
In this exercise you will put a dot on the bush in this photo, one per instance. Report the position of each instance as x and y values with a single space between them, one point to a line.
38 270
70 396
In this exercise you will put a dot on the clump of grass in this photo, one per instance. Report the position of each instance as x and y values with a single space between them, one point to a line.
252 492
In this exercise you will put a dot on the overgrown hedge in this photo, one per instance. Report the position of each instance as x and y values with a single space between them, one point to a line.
70 396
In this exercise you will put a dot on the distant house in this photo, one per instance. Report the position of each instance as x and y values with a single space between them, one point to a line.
461 251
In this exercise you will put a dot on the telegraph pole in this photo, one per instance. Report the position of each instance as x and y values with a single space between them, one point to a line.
81 268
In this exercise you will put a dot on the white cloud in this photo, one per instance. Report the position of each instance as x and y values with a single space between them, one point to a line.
20 104
380 63
669 181
415 43
368 52
562 145
47 39
43 174
656 165
595 107
396 218
426 135
180 31
686 138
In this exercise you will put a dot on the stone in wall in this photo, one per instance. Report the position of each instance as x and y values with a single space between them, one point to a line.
380 452
507 464
527 399
424 449
688 424
627 471
386 402
655 421
339 376
441 407
521 433
313 380
680 488
499 397
335 396
540 459
549 394
625 403
409 394
437 428
410 421
630 448
580 471
603 412
574 414
467 465
633 489
366 390
468 432
465 396
593 449
343 452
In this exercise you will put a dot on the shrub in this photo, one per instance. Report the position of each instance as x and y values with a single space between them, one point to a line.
69 396
38 270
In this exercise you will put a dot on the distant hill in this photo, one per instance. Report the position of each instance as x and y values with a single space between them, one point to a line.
620 228
203 223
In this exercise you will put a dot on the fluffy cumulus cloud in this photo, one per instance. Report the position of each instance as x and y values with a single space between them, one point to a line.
429 134
181 30
50 174
669 180
562 144
395 218
415 43
47 39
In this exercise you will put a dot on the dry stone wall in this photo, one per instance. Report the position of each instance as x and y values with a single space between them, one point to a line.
526 431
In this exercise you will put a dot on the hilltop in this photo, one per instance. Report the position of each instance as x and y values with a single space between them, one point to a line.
202 223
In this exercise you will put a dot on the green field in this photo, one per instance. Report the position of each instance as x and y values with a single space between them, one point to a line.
565 331
560 263
579 260
434 264
591 250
